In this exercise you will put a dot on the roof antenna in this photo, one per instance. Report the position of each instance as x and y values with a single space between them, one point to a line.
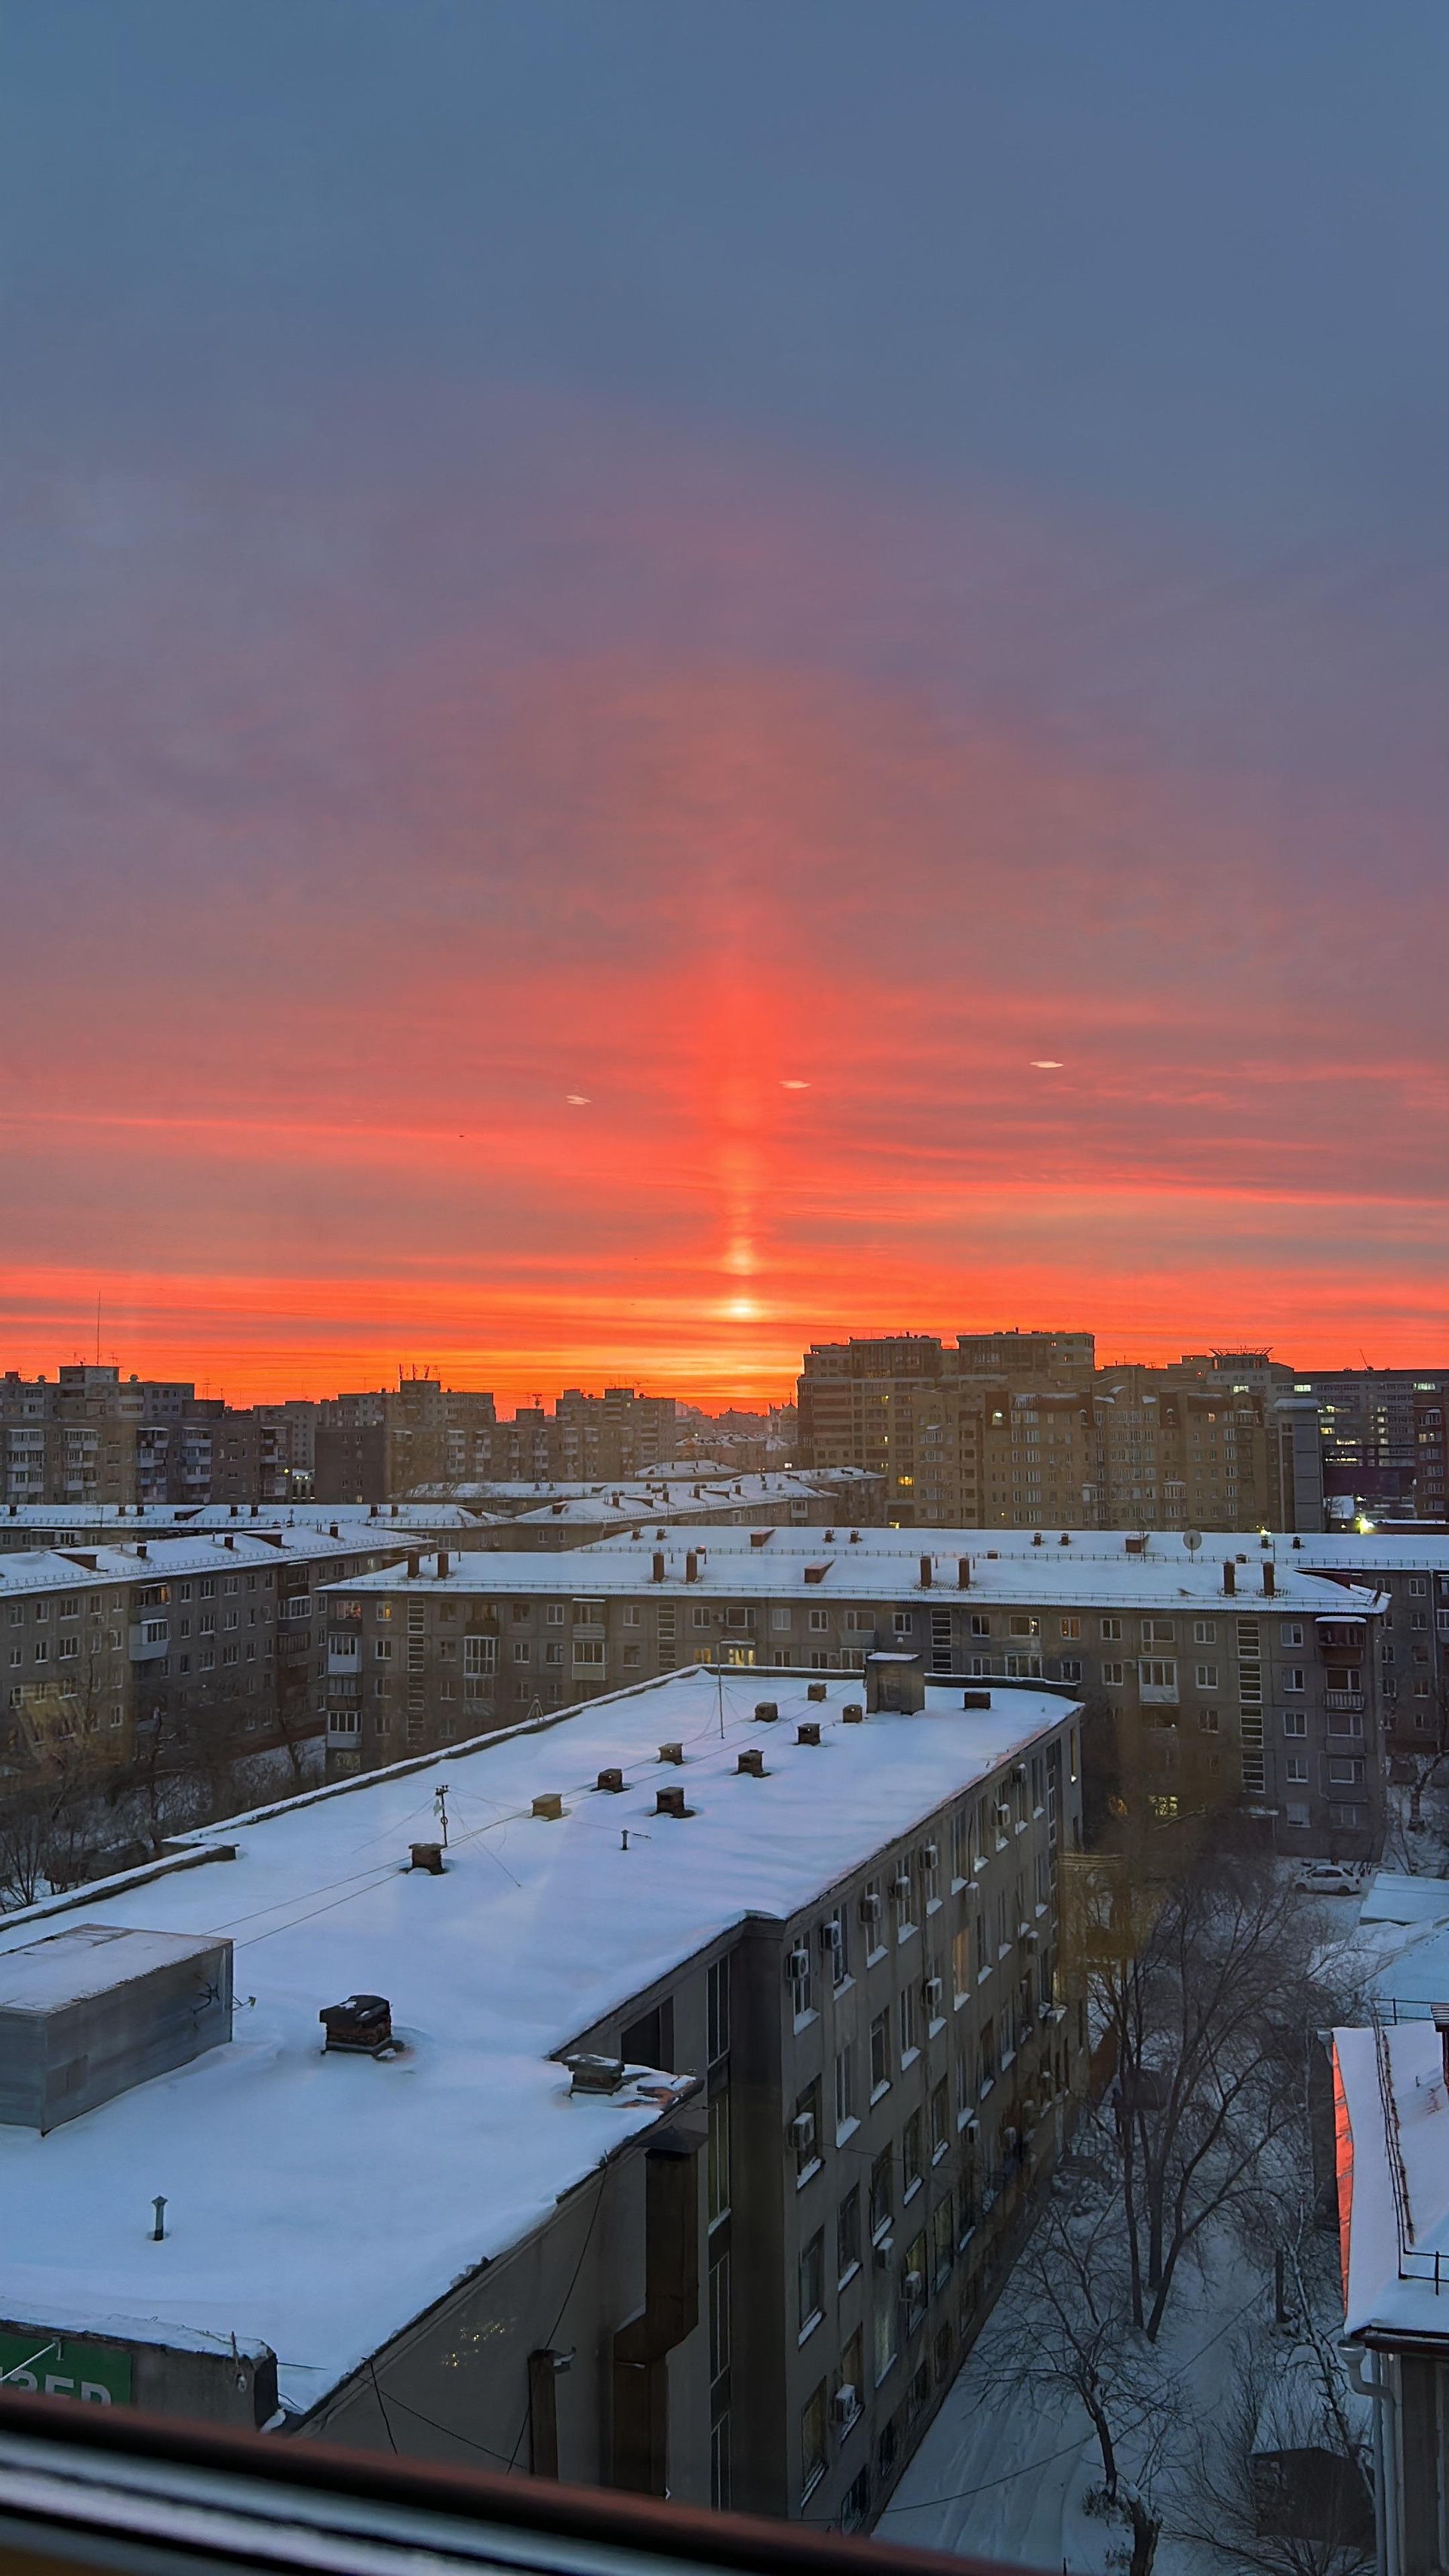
440 1808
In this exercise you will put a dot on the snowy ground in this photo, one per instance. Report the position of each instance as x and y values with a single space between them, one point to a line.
1002 2478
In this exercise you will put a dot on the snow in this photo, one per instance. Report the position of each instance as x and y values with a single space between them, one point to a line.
1399 2221
1392 1897
87 1959
318 2204
826 1567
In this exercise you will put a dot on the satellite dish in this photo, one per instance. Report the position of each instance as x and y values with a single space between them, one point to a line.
1192 1540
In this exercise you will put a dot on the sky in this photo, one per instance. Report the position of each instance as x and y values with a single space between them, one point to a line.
674 680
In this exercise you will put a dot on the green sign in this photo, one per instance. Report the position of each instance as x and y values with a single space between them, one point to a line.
95 2374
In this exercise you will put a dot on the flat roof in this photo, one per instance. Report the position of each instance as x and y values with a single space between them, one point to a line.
1372 1552
318 2205
841 1569
24 1569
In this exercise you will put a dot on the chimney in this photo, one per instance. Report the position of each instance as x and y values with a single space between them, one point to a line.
670 1802
808 1731
752 1762
852 1714
415 1567
442 1560
612 1780
427 1856
691 1567
925 1574
140 1547
815 1690
228 1541
963 1573
1268 1576
671 1753
332 1529
549 1805
1230 1575
658 1565
766 1711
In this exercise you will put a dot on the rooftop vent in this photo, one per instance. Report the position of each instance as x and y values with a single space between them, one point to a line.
766 1711
816 1573
752 1762
925 1574
671 1753
549 1805
670 1802
691 1567
87 2013
761 1538
963 1573
852 1714
595 2074
855 1538
976 1699
816 1690
442 1560
1230 1575
428 1856
1136 1546
658 1569
612 1779
1065 1540
1036 1538
360 2027
808 1731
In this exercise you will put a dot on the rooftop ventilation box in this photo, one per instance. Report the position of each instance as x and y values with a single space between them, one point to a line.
87 2013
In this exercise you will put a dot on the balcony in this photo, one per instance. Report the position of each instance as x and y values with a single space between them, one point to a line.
1343 1700
150 1639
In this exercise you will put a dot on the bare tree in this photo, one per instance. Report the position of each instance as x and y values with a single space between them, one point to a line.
1071 2332
1277 2481
1206 1990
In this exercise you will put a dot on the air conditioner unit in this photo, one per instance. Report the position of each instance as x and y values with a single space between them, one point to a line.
1018 1770
802 2130
832 1934
797 1965
844 2405
913 2288
870 1907
1003 1813
930 1855
901 1887
931 1992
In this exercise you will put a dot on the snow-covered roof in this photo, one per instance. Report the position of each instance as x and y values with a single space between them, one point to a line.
91 1521
1393 1897
848 1566
270 2155
24 1570
1393 2091
1362 1556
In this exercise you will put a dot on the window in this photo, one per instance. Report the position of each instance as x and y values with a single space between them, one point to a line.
1295 1721
880 2054
805 2131
980 1623
907 2023
1159 1632
882 2202
1071 1627
1290 1633
1292 1677
1204 1632
588 1654
812 2441
520 1650
633 1616
780 1622
1114 1675
847 2235
943 2243
480 1657
912 2158
1111 1629
1071 1668
719 2316
717 2010
819 1622
844 2088
1021 1624
554 1615
1207 1676
885 2338
717 2158
812 2284
961 1964
1344 1773
1295 1767
848 2393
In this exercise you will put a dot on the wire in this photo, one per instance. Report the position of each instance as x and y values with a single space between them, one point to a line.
564 2301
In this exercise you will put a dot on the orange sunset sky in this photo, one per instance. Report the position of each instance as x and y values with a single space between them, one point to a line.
608 773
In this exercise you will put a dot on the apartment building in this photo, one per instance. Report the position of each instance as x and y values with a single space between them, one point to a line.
705 2189
1231 1678
198 1647
1127 1448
